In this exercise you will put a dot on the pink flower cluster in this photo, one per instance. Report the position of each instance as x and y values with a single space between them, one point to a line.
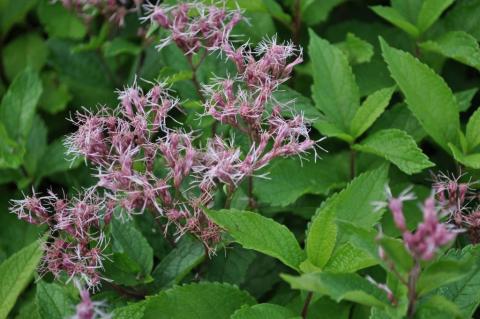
76 243
194 25
89 309
113 10
429 236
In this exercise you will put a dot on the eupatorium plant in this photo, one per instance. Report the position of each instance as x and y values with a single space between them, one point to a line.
142 164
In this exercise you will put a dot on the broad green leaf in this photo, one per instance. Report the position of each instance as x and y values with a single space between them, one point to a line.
396 252
11 153
357 50
253 231
26 50
351 287
54 160
329 129
430 12
316 11
263 311
276 11
288 179
473 129
131 311
17 109
178 263
443 272
123 270
54 301
408 8
464 292
231 266
129 240
87 76
427 95
464 17
296 102
398 147
334 89
60 22
438 307
348 258
371 109
13 12
15 274
35 146
469 160
55 96
464 98
457 45
322 235
120 46
397 19
197 301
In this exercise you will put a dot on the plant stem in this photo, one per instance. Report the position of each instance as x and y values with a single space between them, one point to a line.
306 304
412 287
297 22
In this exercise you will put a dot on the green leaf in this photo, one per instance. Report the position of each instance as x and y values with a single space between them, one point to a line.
438 307
427 95
322 235
430 12
334 89
55 96
17 109
443 272
35 146
398 147
60 22
296 101
253 231
464 98
129 240
371 109
11 154
329 129
471 160
465 293
464 17
276 11
351 287
348 258
15 274
131 311
316 11
197 301
12 12
178 263
473 129
26 50
457 45
232 266
357 50
263 311
54 160
120 46
54 301
396 252
288 179
397 19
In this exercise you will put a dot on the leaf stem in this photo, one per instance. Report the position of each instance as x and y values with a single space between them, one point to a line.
308 299
412 287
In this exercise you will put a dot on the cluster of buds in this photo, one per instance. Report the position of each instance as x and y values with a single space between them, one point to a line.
194 25
114 10
76 244
429 236
89 309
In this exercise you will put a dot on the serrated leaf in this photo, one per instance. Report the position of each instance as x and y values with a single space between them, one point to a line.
55 94
17 109
263 311
348 258
396 252
398 147
131 311
13 12
197 301
322 236
469 160
35 146
26 50
371 109
288 179
253 231
473 129
15 274
357 50
430 12
464 16
178 263
351 287
232 266
397 19
427 95
54 160
60 22
457 45
11 153
129 240
54 301
438 307
464 98
120 46
316 11
334 89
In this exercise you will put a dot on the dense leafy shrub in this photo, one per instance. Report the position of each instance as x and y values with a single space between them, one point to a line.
249 159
